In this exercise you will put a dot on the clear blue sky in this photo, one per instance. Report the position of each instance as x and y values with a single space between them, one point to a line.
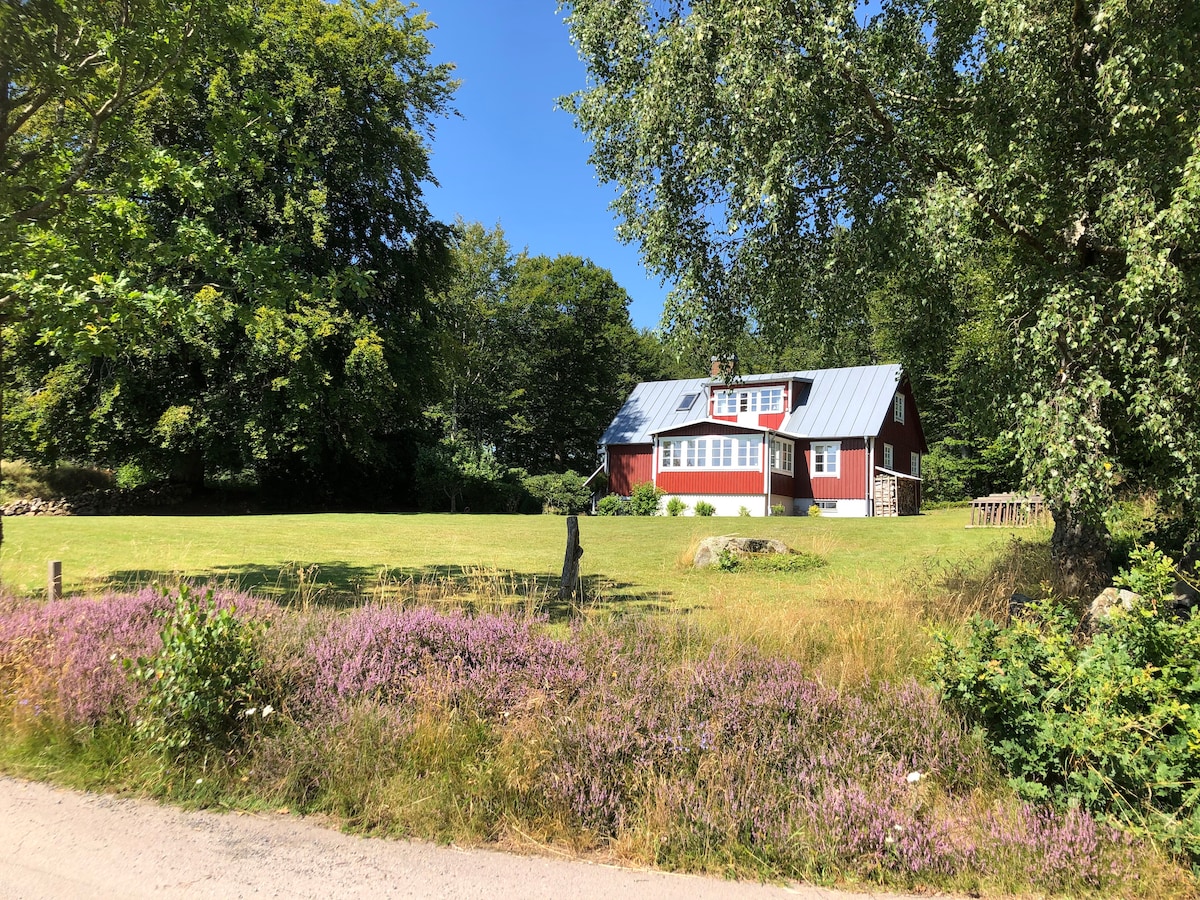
513 157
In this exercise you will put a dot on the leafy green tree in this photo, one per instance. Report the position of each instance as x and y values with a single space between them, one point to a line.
571 351
746 139
303 247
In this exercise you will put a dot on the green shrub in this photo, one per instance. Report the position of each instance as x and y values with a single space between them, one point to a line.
728 561
201 687
704 508
645 498
744 512
1111 724
676 507
612 505
777 509
565 495
814 511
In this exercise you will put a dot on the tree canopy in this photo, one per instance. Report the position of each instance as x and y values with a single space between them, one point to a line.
761 149
290 234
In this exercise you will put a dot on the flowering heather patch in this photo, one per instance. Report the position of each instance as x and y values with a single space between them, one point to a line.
63 659
390 654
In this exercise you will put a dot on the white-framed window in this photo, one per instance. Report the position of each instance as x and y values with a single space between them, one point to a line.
826 504
711 452
889 457
914 464
730 403
771 400
725 404
722 453
782 455
826 460
898 407
747 453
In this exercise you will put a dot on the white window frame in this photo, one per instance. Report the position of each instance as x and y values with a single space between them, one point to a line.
725 403
711 453
763 400
783 456
889 457
914 464
898 408
823 454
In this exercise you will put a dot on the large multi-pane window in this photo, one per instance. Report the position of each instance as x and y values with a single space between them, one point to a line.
710 453
825 458
889 457
782 459
764 400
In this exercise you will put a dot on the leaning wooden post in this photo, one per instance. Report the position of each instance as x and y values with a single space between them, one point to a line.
570 573
54 584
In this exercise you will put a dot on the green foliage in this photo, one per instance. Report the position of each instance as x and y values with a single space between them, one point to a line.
202 691
612 505
565 495
645 498
299 254
814 511
676 507
744 512
728 561
704 508
463 475
777 509
63 480
1026 174
1112 724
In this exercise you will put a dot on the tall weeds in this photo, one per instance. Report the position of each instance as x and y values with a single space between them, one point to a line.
639 738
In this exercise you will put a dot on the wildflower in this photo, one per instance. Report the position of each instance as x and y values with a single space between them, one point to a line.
889 840
267 710
913 777
199 781
112 657
897 828
249 712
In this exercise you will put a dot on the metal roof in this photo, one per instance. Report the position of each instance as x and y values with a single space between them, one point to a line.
849 402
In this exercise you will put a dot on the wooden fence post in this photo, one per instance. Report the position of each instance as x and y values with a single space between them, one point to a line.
54 583
570 573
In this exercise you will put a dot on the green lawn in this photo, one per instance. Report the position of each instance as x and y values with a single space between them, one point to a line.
882 575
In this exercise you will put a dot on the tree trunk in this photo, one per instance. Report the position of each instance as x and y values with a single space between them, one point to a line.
1079 553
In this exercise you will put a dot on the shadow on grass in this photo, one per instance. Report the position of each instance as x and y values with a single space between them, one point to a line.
338 584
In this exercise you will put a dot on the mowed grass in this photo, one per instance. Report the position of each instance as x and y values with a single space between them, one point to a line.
859 615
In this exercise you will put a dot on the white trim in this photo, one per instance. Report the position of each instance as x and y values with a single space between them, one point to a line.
898 411
889 456
738 442
914 463
897 474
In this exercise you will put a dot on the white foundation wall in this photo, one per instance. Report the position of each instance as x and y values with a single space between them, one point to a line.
726 504
846 509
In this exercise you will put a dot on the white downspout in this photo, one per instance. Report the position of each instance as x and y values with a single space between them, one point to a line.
766 463
870 476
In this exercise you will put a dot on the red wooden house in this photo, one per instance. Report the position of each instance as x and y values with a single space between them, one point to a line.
846 440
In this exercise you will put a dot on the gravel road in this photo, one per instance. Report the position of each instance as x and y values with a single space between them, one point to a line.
62 844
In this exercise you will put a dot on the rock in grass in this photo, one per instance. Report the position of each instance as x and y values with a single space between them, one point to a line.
710 549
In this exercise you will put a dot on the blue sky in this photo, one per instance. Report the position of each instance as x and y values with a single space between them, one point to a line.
513 157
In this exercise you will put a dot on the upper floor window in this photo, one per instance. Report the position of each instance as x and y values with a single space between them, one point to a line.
764 400
825 458
898 407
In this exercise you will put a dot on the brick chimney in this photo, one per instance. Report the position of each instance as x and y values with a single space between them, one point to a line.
723 366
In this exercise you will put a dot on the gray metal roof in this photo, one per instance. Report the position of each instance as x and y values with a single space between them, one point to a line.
849 402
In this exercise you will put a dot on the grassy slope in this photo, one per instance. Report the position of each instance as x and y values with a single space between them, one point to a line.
855 616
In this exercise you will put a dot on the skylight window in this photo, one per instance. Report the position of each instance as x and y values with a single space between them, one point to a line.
685 402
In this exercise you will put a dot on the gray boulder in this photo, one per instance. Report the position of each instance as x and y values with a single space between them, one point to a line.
710 549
